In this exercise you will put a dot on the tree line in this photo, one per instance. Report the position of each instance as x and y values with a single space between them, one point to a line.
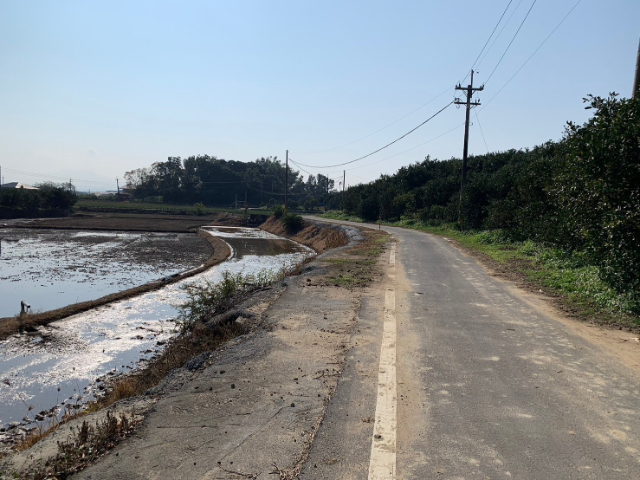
48 196
580 194
217 182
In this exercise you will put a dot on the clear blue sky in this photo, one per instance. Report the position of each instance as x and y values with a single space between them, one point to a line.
89 90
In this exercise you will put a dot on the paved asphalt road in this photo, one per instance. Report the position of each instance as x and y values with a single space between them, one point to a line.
489 384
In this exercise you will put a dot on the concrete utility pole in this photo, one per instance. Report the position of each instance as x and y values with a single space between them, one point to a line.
118 185
246 205
344 180
468 90
286 181
636 84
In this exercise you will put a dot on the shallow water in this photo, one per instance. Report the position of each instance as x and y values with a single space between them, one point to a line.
50 269
58 366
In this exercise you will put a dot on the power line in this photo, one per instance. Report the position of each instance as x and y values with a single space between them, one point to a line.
408 150
514 37
387 145
484 139
500 33
55 177
488 39
383 128
208 183
534 52
296 164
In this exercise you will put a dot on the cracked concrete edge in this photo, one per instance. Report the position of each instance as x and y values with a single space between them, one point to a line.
293 472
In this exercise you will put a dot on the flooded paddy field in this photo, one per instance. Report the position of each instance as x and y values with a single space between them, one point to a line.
50 269
59 367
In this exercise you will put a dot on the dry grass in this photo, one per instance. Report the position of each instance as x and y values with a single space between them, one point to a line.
357 267
86 445
35 436
179 351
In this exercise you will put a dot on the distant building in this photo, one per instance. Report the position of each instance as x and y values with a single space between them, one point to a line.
14 185
123 197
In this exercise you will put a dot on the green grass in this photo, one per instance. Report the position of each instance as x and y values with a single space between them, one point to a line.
336 215
348 281
105 206
344 261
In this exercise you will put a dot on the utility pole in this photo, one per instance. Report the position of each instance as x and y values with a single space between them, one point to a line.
636 84
286 181
344 180
468 90
246 206
2 179
118 186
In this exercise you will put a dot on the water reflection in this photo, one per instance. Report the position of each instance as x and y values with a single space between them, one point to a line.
60 362
50 269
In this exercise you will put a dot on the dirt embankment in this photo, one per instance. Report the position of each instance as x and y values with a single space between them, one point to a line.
11 325
319 236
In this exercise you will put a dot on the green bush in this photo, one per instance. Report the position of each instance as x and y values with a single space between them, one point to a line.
293 223
48 196
278 211
200 209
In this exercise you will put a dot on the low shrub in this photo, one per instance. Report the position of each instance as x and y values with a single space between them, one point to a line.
293 223
278 211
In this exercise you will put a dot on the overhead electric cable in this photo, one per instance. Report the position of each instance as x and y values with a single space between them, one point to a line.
499 33
482 132
488 39
512 39
55 177
296 164
383 128
236 182
534 52
387 145
408 150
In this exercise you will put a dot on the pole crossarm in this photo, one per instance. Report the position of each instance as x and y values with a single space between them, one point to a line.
479 89
468 90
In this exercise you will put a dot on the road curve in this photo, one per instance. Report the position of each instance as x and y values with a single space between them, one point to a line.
490 384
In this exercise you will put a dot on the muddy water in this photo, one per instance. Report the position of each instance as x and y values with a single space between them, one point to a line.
57 367
50 269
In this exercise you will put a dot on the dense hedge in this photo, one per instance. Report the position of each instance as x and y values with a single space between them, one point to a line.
581 193
47 197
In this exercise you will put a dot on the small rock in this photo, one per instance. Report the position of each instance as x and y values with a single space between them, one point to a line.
198 362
